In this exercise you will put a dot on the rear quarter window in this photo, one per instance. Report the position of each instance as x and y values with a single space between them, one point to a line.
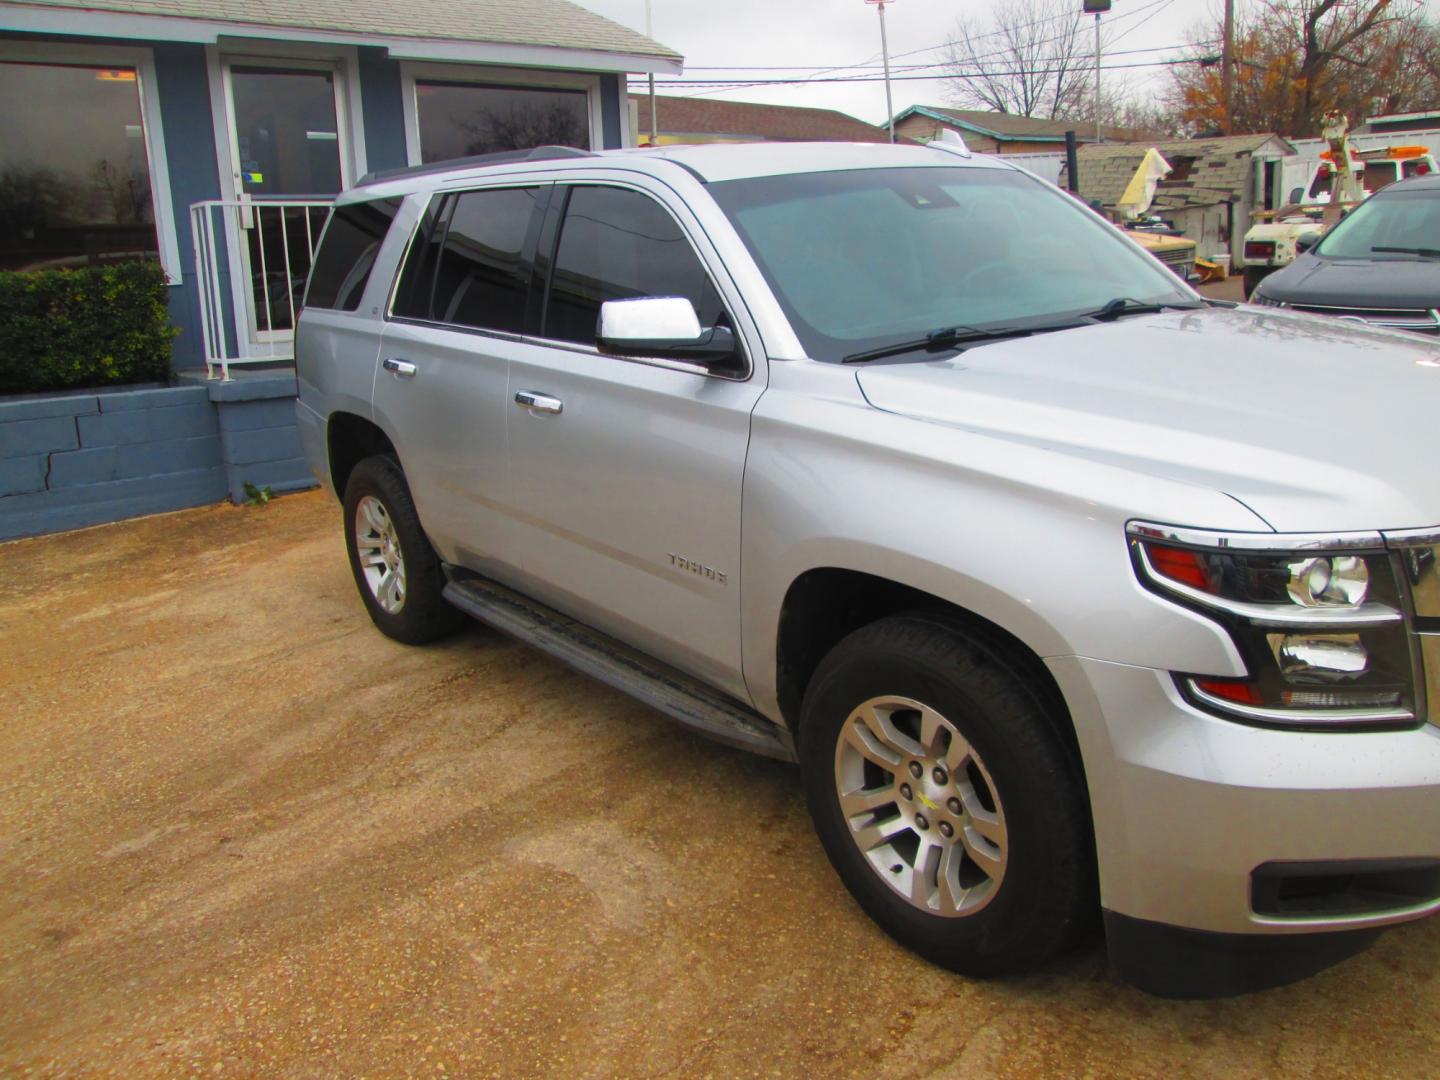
347 253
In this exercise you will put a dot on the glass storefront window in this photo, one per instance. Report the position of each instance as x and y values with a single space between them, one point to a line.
74 177
461 119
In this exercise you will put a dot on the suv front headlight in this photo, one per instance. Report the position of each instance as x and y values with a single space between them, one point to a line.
1320 624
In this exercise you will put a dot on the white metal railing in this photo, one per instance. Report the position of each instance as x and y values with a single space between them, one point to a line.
252 259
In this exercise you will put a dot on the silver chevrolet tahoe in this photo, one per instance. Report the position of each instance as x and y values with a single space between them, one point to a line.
1069 591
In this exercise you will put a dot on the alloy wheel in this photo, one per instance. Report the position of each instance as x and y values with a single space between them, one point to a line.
378 548
921 807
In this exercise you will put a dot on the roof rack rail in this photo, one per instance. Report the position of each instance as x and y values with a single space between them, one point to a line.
539 153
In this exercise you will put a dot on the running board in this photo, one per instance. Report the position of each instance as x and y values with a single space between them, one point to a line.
658 685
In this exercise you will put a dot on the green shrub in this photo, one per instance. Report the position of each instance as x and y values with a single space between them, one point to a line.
96 326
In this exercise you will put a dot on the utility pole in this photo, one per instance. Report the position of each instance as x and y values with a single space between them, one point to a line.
885 53
654 120
1227 77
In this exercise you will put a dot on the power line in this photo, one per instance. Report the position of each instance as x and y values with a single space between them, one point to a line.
917 67
707 87
732 83
1162 6
824 68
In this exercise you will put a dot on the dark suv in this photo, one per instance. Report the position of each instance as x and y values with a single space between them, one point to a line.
1381 265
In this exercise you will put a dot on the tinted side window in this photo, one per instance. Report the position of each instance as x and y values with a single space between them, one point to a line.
417 277
482 278
342 265
616 245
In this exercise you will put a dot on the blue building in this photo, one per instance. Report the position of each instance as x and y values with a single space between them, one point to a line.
211 134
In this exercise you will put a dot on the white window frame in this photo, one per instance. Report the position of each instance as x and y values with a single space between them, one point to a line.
350 109
342 61
412 72
143 62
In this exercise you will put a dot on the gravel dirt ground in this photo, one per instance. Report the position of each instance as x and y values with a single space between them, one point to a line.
241 833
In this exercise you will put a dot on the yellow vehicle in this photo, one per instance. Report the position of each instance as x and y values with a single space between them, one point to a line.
1176 252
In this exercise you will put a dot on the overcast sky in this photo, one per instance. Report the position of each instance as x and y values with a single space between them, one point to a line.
713 33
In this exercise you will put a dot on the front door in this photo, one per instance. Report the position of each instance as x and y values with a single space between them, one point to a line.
625 476
289 157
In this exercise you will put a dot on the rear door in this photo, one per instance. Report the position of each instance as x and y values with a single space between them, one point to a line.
457 317
627 481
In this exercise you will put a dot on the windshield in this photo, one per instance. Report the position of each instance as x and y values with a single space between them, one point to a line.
1407 220
865 259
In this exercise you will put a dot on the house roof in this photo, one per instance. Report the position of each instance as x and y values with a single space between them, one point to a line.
544 24
752 121
1212 170
1007 127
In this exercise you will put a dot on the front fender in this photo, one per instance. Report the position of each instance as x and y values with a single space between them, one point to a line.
1031 539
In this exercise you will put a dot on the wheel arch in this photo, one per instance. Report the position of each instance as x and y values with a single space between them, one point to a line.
349 440
825 604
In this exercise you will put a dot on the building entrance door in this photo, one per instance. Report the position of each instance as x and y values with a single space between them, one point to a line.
289 157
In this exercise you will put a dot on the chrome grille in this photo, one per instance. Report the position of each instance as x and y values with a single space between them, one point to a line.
1420 559
1182 262
1430 657
1417 320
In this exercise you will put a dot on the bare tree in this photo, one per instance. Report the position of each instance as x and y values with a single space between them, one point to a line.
521 127
1027 57
1327 33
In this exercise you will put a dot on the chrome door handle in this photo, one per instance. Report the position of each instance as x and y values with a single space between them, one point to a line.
402 368
533 399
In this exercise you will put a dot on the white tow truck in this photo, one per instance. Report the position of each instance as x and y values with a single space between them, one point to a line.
1279 236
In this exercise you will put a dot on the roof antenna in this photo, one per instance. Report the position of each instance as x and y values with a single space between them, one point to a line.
951 142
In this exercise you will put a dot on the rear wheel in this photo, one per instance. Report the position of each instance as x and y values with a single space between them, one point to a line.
944 799
396 570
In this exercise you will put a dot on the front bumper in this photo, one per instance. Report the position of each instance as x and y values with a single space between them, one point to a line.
1187 807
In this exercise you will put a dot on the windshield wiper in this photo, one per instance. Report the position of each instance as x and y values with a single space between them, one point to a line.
1124 305
1423 252
936 341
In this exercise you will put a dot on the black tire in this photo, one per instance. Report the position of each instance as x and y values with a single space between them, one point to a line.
1253 276
1046 894
422 614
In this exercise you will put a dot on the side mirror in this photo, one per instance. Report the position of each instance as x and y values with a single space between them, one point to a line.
661 326
1305 241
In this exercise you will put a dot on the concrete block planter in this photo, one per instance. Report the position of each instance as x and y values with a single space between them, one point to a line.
84 458
259 443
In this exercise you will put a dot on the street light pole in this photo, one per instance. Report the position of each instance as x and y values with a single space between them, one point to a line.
1098 47
654 121
885 53
1097 8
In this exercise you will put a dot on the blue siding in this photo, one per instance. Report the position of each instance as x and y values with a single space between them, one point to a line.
612 100
381 95
184 84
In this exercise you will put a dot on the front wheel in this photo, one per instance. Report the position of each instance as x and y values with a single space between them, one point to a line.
396 570
944 799
1253 276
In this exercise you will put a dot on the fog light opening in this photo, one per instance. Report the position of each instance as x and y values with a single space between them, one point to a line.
1308 658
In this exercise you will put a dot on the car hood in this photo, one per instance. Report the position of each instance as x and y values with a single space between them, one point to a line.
1315 424
1357 283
